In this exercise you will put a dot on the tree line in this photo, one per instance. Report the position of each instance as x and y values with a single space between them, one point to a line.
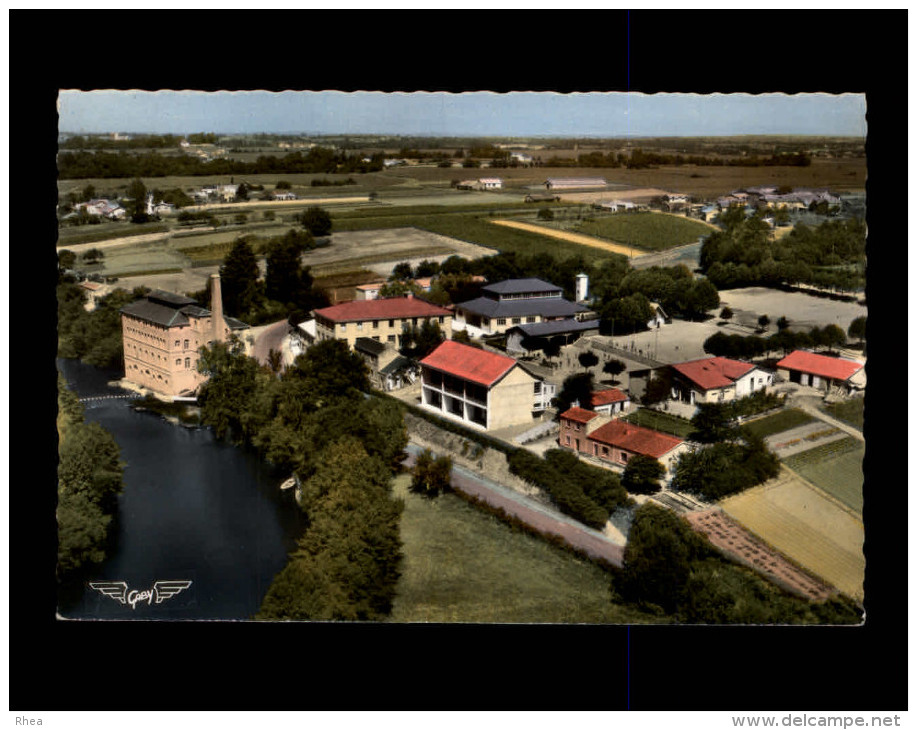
314 420
83 164
90 478
831 255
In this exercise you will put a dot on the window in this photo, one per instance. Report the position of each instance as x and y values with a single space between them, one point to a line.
624 456
391 323
517 320
187 362
359 326
537 387
186 344
178 343
441 319
391 338
529 320
501 320
568 439
178 361
375 324
344 327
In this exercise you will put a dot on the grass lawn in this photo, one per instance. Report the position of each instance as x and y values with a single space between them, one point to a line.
836 468
849 411
664 422
777 422
463 565
649 231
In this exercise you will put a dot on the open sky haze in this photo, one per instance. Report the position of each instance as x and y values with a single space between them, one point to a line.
613 114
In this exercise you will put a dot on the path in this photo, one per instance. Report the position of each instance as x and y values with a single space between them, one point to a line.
112 242
822 416
573 238
267 338
536 515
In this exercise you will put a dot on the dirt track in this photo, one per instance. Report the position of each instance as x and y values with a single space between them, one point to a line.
574 238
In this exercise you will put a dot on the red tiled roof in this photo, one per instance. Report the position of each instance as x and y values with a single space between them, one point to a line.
394 308
604 397
834 368
713 372
635 439
470 363
580 415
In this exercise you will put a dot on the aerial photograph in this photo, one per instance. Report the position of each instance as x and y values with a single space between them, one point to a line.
461 358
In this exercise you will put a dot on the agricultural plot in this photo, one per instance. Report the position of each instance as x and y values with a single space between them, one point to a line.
647 231
778 422
835 467
808 527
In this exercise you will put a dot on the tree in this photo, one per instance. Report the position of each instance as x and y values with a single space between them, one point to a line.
136 193
316 220
93 256
239 279
726 313
857 329
642 475
712 423
576 388
283 281
658 387
402 272
65 259
588 359
242 191
431 475
763 321
418 342
225 396
832 336
545 214
783 323
614 368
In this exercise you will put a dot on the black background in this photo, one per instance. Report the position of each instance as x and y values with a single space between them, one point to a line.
73 666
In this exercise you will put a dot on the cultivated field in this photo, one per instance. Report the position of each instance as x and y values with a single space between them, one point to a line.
462 565
648 231
807 526
782 420
577 238
835 467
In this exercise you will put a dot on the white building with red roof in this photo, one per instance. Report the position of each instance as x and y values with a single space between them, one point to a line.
717 379
383 320
821 371
609 402
479 388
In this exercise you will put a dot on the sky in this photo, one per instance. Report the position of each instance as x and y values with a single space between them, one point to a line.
513 114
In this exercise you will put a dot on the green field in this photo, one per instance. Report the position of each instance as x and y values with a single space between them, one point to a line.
836 468
777 422
649 231
472 228
849 411
664 422
464 565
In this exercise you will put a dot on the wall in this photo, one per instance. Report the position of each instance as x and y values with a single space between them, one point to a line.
511 400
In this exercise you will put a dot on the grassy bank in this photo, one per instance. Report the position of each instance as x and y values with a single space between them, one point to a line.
463 565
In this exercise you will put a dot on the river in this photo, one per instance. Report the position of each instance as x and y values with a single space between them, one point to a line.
193 509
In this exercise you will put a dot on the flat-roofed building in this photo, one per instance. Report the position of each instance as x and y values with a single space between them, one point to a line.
383 320
514 302
524 338
479 388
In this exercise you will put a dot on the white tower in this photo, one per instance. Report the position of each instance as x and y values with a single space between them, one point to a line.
582 287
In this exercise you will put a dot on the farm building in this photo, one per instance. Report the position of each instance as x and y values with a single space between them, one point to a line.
541 198
822 372
490 183
615 206
162 335
478 388
383 320
524 338
615 442
716 379
514 302
283 195
574 183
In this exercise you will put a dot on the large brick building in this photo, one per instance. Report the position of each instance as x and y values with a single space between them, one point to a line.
162 334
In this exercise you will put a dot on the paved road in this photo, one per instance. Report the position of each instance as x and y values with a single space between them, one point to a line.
267 338
532 513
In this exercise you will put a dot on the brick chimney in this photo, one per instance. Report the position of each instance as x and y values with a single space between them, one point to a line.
216 308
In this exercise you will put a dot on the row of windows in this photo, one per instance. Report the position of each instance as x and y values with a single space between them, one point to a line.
516 320
391 323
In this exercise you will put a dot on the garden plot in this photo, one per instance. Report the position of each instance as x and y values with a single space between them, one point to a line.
807 526
803 438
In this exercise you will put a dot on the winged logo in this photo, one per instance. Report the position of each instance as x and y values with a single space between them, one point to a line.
161 590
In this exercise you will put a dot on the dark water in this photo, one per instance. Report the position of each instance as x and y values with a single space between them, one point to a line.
193 509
